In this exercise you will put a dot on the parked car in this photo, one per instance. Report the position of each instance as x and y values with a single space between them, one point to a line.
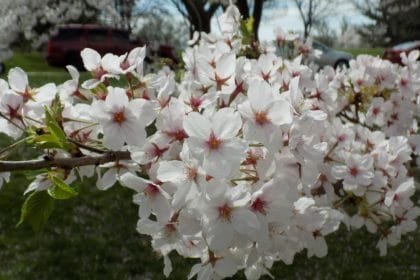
65 46
329 56
394 54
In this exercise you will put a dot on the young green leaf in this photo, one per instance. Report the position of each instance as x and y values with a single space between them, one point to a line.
60 190
36 210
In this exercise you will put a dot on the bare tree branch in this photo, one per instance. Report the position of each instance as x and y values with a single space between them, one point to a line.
65 163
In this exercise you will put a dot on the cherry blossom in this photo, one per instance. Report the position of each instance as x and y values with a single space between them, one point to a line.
123 121
234 161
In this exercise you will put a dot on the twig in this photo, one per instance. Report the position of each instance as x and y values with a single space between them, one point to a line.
65 163
86 147
11 146
12 122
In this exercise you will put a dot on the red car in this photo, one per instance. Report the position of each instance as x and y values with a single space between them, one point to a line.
64 47
394 54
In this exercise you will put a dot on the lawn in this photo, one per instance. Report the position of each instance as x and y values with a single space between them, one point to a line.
39 72
93 236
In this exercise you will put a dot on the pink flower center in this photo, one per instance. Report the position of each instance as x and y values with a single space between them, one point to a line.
178 134
376 111
157 151
169 229
125 65
213 143
26 96
151 190
259 205
225 212
265 76
195 103
118 117
353 171
220 81
13 112
342 137
261 118
191 173
98 73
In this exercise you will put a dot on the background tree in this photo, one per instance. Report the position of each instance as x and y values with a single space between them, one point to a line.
393 21
34 20
313 13
170 32
199 12
125 9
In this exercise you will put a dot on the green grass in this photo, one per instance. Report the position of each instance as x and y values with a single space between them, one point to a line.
93 236
33 61
39 72
370 51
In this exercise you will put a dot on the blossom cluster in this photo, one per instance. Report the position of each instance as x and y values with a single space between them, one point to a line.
22 16
240 162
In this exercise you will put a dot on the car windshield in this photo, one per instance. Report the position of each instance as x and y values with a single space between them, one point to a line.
406 45
67 33
318 46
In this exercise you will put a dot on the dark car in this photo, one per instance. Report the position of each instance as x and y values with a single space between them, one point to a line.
65 46
330 56
394 54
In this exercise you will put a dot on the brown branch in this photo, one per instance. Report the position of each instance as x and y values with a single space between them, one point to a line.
65 163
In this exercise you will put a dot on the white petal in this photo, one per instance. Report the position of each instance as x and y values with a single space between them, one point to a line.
226 123
171 171
259 95
107 180
18 80
194 270
244 221
161 208
220 236
73 72
90 84
320 247
113 138
225 66
280 113
116 98
167 269
91 59
133 182
226 267
143 109
196 125
111 63
46 93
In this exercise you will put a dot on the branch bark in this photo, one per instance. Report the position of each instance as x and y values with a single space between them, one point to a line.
65 163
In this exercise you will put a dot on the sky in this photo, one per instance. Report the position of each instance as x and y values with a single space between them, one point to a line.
288 18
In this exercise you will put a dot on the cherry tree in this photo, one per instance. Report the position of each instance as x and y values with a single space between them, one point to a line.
236 162
34 20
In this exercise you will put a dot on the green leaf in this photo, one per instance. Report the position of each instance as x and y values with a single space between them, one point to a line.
56 130
47 141
60 190
54 127
247 27
36 210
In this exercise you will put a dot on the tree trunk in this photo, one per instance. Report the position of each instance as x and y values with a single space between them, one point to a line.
257 15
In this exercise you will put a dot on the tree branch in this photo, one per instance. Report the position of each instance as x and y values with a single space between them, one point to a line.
65 163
